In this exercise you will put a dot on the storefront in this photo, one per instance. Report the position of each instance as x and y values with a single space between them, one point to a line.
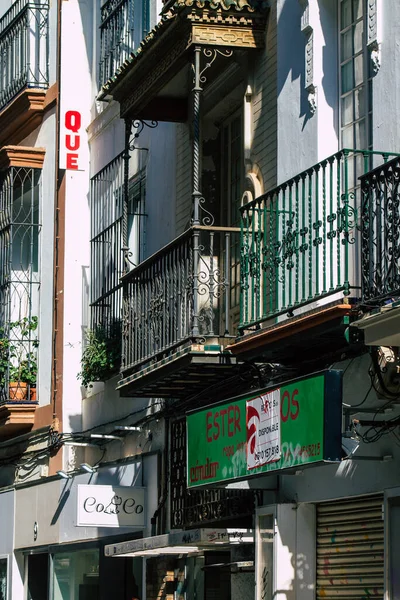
64 525
7 563
199 563
331 528
283 430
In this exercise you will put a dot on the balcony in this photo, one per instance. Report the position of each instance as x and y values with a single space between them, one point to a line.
380 264
24 50
301 256
116 37
180 311
155 80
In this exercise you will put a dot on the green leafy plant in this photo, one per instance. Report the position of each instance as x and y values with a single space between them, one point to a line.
18 357
101 357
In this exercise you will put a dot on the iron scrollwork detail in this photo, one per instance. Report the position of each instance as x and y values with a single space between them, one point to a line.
139 125
211 55
348 219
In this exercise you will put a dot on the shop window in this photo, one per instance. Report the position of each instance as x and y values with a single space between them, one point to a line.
217 578
76 575
265 552
3 578
38 577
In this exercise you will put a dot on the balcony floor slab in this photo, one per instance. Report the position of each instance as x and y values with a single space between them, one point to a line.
305 337
180 375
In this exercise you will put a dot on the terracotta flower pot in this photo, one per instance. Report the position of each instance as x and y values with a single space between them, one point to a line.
17 391
32 393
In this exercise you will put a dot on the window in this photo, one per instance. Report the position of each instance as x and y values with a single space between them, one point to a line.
123 25
19 278
232 191
107 241
76 575
355 84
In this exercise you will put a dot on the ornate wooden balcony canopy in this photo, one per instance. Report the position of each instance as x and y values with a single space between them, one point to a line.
154 82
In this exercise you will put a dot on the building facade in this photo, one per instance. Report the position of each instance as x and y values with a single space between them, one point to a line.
199 282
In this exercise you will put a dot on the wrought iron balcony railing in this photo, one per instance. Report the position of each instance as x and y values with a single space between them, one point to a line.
24 48
300 242
116 37
381 233
184 292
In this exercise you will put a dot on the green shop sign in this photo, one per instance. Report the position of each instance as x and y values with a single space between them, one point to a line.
281 428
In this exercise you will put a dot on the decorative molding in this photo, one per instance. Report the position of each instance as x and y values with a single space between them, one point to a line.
307 29
305 17
309 59
312 99
16 418
22 116
372 23
21 156
227 36
372 35
160 62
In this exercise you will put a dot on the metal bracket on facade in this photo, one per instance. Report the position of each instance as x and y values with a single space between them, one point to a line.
139 125
210 54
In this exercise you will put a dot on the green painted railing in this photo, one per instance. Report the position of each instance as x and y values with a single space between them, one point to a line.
300 241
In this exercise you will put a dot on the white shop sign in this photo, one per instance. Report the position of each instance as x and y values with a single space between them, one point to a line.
110 506
263 429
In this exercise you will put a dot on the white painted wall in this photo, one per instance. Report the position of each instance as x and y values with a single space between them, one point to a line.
305 138
386 85
76 65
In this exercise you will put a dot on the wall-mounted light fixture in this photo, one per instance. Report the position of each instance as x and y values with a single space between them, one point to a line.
64 475
87 468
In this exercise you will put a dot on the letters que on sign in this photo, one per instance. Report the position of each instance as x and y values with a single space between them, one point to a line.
110 506
73 124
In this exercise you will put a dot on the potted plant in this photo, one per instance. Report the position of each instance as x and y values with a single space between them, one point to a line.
18 359
101 357
21 376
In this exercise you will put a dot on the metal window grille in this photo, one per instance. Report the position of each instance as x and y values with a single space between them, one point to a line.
116 36
191 508
19 277
107 243
24 48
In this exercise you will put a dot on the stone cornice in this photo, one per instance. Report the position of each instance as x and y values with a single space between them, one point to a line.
242 25
21 156
22 115
16 418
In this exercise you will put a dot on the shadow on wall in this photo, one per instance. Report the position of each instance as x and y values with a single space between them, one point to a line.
329 25
291 53
291 58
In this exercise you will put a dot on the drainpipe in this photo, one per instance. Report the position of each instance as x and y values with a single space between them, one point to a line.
58 256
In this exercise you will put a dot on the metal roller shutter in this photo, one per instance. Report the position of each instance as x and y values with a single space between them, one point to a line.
350 549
